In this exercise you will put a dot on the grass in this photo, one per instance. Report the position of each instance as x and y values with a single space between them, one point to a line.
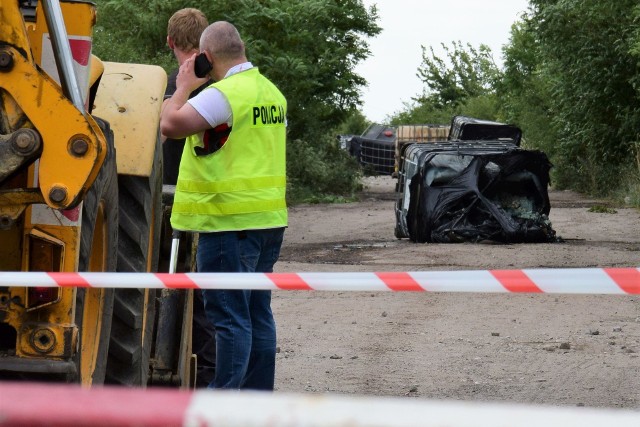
602 209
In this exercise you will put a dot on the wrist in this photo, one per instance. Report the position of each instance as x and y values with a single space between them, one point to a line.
180 96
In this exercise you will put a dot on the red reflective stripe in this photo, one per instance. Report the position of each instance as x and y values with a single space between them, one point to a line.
80 50
400 282
69 280
515 281
288 281
41 404
176 281
627 278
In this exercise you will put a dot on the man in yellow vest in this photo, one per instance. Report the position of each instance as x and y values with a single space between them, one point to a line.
231 190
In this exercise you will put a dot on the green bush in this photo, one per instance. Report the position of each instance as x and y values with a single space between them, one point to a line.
320 172
627 191
309 49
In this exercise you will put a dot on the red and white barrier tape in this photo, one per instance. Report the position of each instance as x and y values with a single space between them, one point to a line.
31 404
619 281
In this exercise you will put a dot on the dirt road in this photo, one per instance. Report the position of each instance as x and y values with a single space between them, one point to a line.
542 349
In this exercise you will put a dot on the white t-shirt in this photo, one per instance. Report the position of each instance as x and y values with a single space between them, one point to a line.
212 105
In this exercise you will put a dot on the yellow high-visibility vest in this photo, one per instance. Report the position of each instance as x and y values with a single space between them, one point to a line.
242 185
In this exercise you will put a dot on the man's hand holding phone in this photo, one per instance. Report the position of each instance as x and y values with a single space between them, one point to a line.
201 65
188 78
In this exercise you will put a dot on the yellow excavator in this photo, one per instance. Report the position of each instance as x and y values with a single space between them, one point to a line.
81 190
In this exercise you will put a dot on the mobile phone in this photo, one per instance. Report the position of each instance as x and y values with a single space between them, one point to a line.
201 65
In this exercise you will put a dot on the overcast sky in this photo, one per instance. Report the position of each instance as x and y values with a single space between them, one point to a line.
409 24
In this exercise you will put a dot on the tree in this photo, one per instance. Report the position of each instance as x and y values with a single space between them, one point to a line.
354 124
422 113
463 82
464 74
309 48
134 31
524 93
587 51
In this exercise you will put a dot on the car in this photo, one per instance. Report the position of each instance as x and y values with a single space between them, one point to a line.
375 149
378 148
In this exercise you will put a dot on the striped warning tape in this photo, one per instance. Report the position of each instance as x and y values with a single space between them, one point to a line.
552 281
33 404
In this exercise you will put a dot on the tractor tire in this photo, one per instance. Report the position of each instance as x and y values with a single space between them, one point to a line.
98 249
140 200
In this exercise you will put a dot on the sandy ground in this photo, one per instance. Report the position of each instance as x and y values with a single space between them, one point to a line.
576 350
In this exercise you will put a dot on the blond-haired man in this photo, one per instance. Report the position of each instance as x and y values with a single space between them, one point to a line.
183 37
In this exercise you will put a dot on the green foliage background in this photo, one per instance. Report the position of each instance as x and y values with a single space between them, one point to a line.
309 48
591 72
570 79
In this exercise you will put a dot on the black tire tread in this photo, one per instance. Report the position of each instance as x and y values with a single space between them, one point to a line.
104 189
132 330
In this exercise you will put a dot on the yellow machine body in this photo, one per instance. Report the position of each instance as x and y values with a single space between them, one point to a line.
130 98
51 154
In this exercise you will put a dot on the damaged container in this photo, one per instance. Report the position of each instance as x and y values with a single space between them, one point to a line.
465 128
471 191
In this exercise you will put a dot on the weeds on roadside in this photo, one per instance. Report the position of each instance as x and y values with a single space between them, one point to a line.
321 172
602 209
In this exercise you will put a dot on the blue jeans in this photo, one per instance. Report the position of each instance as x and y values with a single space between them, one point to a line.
244 324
